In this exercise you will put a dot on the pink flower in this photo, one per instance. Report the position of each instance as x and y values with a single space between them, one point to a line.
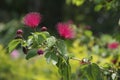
113 45
65 30
32 19
15 54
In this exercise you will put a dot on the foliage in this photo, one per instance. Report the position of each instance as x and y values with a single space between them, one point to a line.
84 46
100 14
99 4
107 59
19 69
54 49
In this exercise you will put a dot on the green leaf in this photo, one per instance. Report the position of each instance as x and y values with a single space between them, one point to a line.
88 33
61 47
51 56
54 58
106 38
96 72
48 56
13 44
42 36
31 53
92 71
51 41
35 40
38 38
64 69
78 2
23 43
98 7
29 41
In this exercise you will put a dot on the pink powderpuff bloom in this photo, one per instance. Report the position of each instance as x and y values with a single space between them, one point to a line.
113 45
32 19
15 54
65 30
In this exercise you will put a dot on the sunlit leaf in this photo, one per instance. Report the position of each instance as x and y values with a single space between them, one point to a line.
38 38
61 47
51 41
78 2
88 33
13 44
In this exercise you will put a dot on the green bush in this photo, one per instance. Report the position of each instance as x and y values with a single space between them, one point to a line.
12 68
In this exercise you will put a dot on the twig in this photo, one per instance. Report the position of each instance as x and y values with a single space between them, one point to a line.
73 58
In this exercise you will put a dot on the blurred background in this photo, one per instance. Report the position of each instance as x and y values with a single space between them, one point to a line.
97 22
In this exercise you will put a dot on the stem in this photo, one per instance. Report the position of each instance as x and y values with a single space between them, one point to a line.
73 58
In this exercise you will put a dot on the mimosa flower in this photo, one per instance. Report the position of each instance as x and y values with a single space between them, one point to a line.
113 45
32 19
65 30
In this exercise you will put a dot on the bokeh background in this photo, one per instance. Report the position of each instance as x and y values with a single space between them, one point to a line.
97 23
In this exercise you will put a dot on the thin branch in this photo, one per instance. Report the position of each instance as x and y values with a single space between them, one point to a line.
73 58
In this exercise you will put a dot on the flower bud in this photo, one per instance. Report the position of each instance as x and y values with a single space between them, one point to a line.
40 51
44 29
19 31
